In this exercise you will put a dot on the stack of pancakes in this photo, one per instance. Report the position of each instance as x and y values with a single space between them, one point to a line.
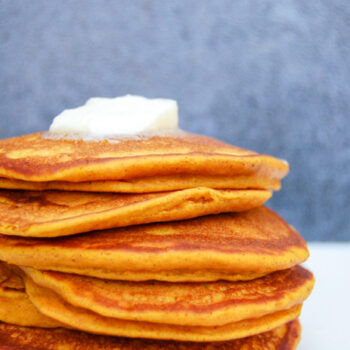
145 243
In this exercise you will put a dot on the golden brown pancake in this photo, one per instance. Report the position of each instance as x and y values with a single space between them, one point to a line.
37 158
285 337
186 304
150 184
56 213
15 307
254 242
51 305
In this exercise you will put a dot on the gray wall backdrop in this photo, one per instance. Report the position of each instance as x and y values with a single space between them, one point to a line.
272 76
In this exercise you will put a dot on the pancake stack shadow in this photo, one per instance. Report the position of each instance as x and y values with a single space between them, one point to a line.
157 242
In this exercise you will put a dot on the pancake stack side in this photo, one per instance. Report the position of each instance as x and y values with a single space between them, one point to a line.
154 242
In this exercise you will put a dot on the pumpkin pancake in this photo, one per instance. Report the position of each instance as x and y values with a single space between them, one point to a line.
56 213
186 304
285 337
15 306
53 306
38 158
254 242
149 184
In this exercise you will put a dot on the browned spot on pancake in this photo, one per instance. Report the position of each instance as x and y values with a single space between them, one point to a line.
19 198
10 281
25 208
292 337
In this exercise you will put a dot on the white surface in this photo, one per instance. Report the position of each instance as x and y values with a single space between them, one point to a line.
125 115
325 315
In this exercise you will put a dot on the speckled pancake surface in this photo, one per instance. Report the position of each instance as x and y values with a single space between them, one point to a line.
36 158
285 337
258 241
57 213
191 304
53 306
15 306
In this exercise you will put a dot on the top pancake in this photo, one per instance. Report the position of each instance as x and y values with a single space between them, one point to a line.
36 158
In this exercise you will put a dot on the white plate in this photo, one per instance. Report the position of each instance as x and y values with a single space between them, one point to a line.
325 317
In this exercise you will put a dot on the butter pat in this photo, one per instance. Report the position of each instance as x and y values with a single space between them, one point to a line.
126 115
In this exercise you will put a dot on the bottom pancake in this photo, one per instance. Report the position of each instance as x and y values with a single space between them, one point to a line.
285 337
54 307
15 306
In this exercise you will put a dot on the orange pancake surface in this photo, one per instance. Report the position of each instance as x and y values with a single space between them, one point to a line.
53 306
150 184
285 337
15 306
187 304
56 213
257 241
37 158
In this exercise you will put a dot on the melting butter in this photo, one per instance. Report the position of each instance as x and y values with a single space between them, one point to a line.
120 116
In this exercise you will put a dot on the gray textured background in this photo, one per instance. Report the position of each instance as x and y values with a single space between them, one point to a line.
273 76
